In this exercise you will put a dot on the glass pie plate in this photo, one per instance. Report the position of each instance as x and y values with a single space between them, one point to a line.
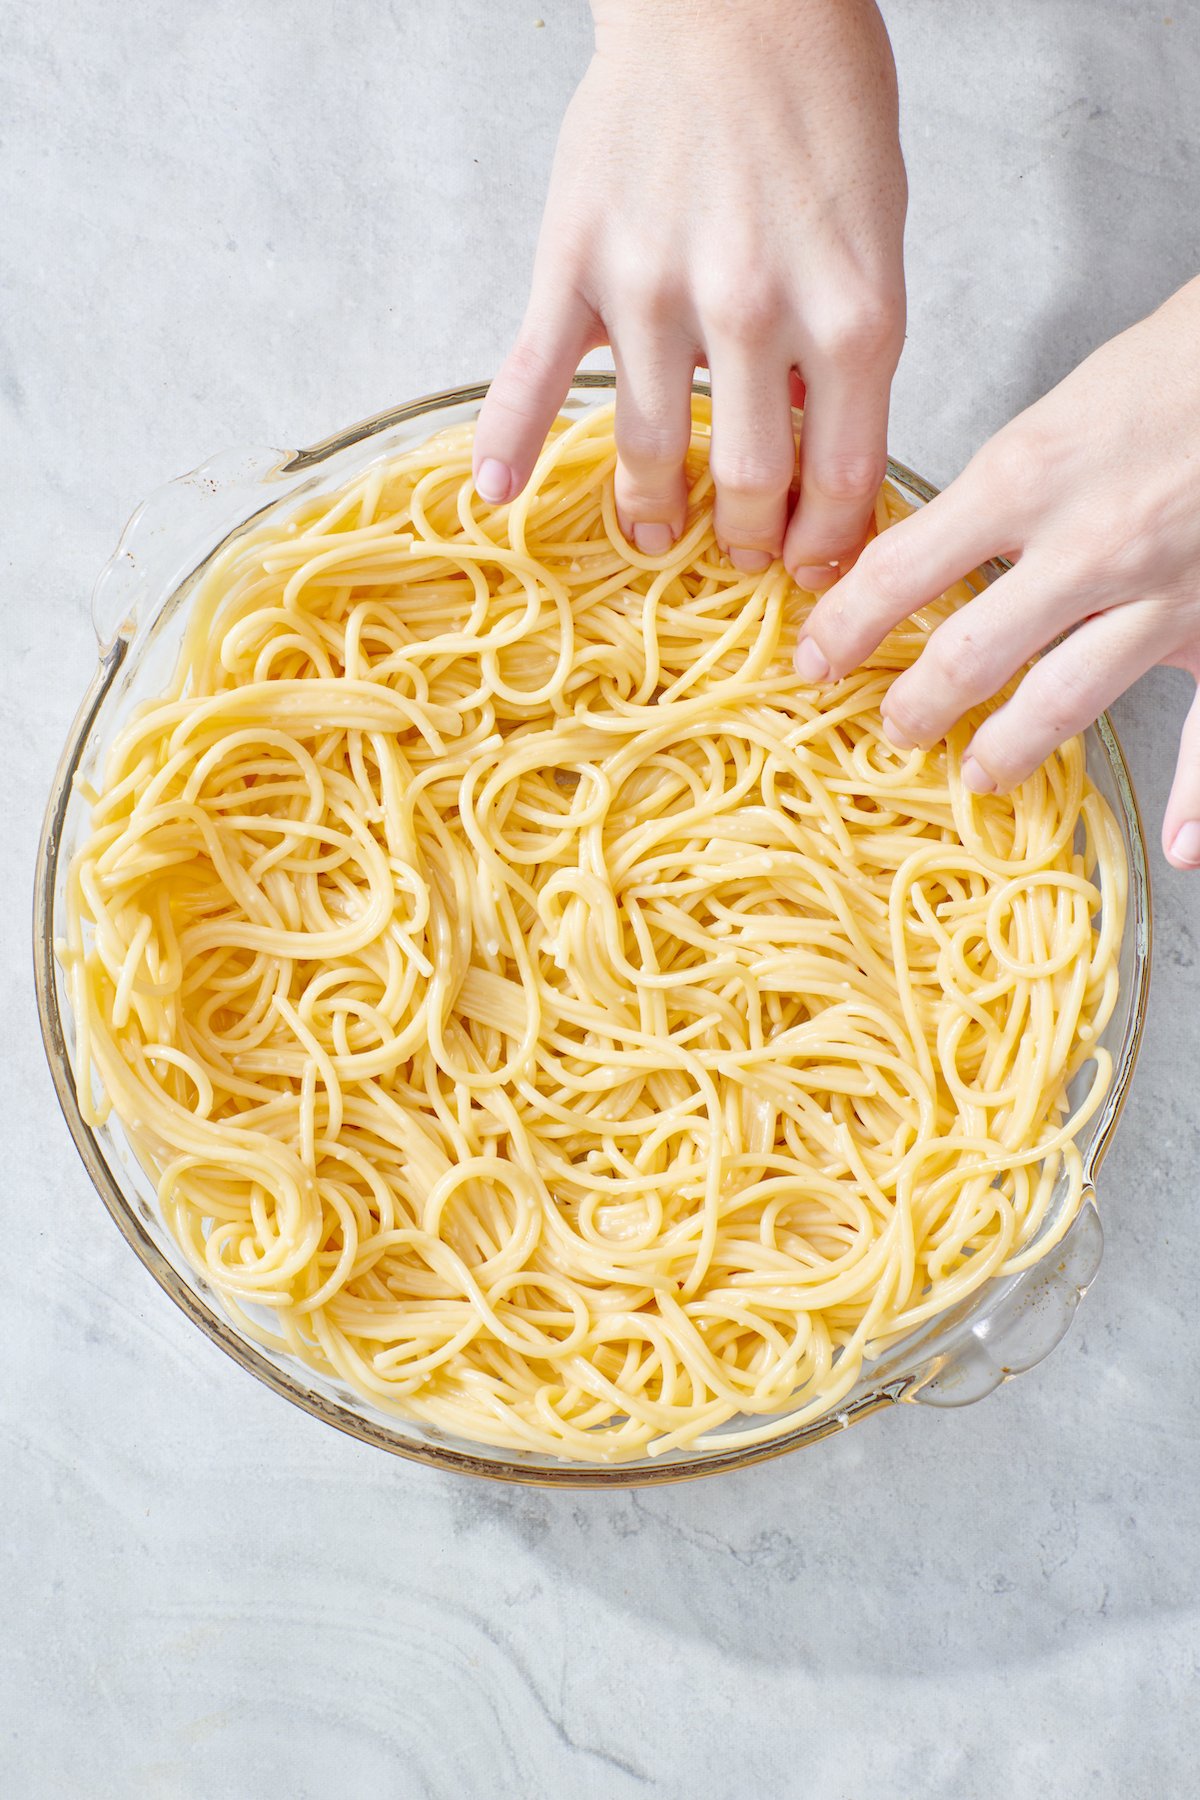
139 606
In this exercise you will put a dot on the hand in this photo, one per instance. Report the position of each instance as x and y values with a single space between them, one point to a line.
728 189
1095 495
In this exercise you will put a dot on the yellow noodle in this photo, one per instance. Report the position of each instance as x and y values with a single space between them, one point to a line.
541 1012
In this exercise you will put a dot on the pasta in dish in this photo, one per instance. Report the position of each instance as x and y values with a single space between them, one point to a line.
542 1012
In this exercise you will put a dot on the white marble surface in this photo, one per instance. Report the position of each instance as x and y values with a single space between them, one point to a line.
247 223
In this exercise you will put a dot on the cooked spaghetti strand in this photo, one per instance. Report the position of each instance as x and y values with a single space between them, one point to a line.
539 1010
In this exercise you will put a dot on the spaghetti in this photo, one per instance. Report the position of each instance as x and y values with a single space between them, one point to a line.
540 1011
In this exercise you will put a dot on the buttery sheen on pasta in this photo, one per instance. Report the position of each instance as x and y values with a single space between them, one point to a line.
543 1013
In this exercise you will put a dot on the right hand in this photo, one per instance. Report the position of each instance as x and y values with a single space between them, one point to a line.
728 190
1094 494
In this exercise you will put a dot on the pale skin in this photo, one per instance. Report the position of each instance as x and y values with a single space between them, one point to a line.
1094 493
729 192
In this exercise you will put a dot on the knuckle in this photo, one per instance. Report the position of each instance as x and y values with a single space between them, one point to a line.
848 478
905 711
840 627
864 332
886 566
1003 748
525 373
1064 695
958 663
646 294
743 312
750 474
1015 465
1117 551
646 444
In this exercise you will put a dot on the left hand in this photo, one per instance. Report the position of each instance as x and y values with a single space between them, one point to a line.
1094 493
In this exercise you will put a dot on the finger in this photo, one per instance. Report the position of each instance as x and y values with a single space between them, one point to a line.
523 400
904 568
843 459
973 653
1062 694
753 456
1181 822
653 430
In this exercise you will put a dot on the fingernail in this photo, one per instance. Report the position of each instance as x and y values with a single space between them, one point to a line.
493 481
811 662
653 539
1185 846
899 740
976 778
815 577
750 562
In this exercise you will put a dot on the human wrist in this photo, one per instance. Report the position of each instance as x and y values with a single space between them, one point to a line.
834 42
619 21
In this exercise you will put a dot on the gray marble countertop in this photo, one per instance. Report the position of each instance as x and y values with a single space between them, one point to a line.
250 223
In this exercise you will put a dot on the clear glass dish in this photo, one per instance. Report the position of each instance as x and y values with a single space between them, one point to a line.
138 609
